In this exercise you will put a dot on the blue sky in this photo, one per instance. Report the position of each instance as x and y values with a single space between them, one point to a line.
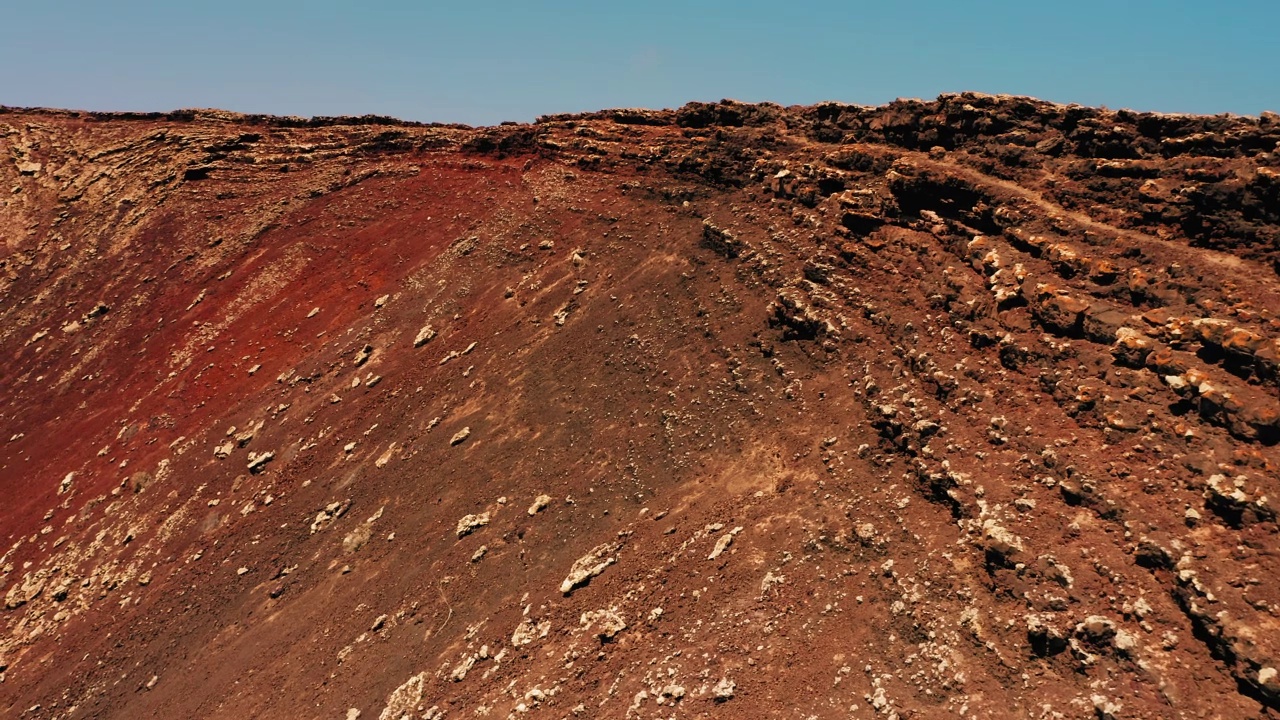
484 62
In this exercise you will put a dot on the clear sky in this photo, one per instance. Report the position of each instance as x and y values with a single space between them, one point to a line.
484 62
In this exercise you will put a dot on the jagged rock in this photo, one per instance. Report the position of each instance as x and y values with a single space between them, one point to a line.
528 631
459 672
470 523
998 540
1104 324
605 624
720 240
404 700
1058 310
424 336
724 689
723 543
363 356
28 589
589 566
1131 348
1228 499
539 503
330 512
257 461
1096 628
1045 639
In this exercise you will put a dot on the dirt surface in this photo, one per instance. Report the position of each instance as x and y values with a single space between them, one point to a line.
960 408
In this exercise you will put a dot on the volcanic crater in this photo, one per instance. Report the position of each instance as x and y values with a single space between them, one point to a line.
954 408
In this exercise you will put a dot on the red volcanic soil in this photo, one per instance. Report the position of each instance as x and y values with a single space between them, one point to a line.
956 408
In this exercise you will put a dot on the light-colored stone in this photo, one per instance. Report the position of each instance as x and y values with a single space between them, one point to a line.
724 689
470 523
1269 679
528 631
589 566
1097 627
606 623
386 456
404 700
999 540
424 336
461 669
539 503
723 543
258 460
362 357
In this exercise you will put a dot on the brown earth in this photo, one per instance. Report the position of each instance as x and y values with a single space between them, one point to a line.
954 408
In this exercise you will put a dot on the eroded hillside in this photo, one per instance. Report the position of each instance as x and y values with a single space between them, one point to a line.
954 408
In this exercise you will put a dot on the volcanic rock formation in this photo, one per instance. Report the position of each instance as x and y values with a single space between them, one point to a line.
954 408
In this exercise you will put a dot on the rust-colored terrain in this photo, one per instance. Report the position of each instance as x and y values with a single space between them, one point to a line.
962 408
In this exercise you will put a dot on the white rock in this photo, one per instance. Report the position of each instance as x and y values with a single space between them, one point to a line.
1267 678
607 623
539 503
528 631
471 523
424 336
589 566
460 672
386 456
1125 641
724 689
723 543
1000 540
257 461
362 357
404 699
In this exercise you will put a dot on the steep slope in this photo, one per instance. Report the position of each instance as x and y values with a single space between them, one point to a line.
964 407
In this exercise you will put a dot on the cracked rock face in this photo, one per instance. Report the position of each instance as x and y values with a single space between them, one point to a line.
957 407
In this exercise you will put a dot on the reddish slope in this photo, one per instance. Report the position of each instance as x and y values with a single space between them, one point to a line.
973 402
